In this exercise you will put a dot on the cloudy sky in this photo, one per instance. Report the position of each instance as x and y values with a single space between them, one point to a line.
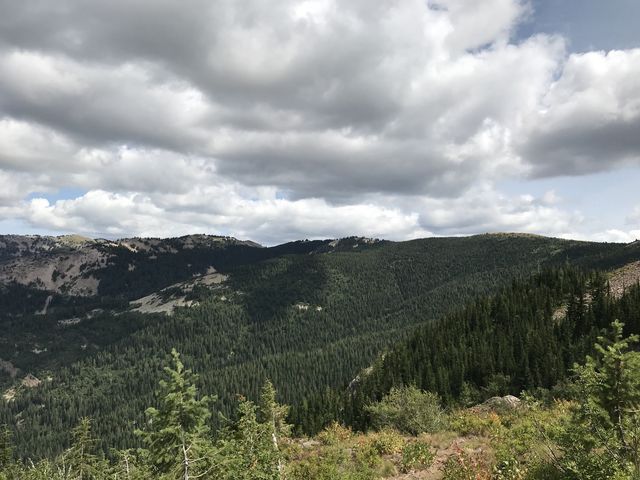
320 118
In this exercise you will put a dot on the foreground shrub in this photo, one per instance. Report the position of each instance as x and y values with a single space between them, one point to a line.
462 466
387 442
416 455
409 410
335 462
602 437
335 434
468 422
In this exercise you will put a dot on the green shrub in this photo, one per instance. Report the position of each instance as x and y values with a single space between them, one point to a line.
416 455
387 442
602 437
509 469
335 434
468 422
409 410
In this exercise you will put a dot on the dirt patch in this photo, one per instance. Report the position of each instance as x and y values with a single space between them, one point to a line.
475 446
559 313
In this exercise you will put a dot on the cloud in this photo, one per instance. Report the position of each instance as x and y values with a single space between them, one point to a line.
261 214
267 219
615 235
634 217
590 117
300 118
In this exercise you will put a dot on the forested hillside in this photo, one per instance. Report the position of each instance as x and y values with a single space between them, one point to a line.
308 316
525 338
584 427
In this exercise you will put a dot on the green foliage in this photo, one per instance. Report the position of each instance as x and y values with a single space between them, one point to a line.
179 443
515 340
335 434
176 435
466 422
386 442
416 455
336 462
409 410
80 461
371 296
130 465
6 447
602 438
509 469
247 450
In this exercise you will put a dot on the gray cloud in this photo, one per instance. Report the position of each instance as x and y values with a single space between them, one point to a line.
211 111
634 217
590 118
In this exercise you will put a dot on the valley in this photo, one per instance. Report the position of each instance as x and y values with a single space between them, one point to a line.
334 324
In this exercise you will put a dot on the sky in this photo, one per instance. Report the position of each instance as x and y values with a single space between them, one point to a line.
276 121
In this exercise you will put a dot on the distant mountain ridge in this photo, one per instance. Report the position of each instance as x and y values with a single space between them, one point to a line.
76 265
72 264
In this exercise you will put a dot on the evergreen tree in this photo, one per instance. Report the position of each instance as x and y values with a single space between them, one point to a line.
80 461
603 438
177 435
247 449
274 416
6 447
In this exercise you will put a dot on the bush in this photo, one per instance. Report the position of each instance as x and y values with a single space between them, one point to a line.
416 456
409 410
468 422
509 469
387 442
335 434
462 466
602 437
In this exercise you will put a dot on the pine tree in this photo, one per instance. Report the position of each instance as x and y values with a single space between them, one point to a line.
247 448
6 447
177 438
274 416
80 460
603 438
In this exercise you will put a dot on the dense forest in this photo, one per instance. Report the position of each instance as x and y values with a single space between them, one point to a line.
525 338
309 316
591 434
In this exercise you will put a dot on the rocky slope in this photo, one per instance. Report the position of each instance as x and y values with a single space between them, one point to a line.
71 264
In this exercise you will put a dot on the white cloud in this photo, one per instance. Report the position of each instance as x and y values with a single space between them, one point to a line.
261 214
634 217
615 235
590 117
314 118
267 219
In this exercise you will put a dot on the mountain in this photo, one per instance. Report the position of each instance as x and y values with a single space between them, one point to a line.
76 265
93 321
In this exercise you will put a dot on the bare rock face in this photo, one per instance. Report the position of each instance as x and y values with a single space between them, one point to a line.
57 264
508 402
71 264
31 381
